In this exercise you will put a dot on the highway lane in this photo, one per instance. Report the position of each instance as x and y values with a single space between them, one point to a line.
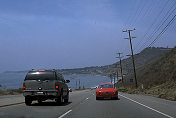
45 110
122 108
83 105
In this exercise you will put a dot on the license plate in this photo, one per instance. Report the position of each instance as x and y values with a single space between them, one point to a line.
39 93
106 93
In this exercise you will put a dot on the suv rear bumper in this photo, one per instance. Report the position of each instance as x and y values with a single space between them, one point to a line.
41 93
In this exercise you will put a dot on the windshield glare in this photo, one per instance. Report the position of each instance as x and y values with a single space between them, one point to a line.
40 76
106 86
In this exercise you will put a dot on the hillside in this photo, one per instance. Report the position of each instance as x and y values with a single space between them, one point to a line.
141 59
159 71
159 77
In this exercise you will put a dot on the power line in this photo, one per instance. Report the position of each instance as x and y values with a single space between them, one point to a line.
147 31
139 13
163 31
131 17
146 10
158 27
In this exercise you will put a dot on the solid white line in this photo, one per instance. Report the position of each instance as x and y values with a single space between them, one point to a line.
147 106
65 114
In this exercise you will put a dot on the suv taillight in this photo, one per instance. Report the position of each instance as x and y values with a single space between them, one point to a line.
24 86
57 87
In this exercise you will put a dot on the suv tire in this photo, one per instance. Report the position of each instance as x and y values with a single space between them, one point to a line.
39 101
67 98
97 98
59 100
28 101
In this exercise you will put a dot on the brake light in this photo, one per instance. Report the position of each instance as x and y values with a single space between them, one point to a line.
41 70
24 86
57 87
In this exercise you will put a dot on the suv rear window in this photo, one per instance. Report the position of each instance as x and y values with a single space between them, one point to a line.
40 76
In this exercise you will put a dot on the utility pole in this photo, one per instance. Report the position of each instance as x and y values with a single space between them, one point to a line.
117 75
117 72
130 38
79 84
114 78
76 84
111 77
120 65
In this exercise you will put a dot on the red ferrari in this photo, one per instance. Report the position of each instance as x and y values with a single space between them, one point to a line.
106 90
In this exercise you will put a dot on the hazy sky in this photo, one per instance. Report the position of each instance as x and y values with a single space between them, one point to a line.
78 33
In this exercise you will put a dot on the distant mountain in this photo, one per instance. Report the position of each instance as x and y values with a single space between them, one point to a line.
15 71
141 59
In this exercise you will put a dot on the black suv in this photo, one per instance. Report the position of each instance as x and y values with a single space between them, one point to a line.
41 85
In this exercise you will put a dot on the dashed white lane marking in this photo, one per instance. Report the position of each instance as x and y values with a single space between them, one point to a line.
147 106
87 98
65 114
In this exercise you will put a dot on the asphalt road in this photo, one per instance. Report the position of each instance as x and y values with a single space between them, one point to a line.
82 104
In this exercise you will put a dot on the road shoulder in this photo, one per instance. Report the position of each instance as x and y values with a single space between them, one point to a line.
162 105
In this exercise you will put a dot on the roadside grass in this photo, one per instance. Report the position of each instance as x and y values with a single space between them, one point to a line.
11 91
165 91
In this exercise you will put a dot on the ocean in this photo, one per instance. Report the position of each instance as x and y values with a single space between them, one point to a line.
14 80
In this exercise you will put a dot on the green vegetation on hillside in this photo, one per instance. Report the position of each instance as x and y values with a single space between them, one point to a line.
158 77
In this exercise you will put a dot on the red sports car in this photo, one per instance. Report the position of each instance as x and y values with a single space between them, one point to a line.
106 90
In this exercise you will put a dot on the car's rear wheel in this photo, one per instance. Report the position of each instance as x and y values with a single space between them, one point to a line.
28 101
67 98
59 100
97 98
39 101
115 98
